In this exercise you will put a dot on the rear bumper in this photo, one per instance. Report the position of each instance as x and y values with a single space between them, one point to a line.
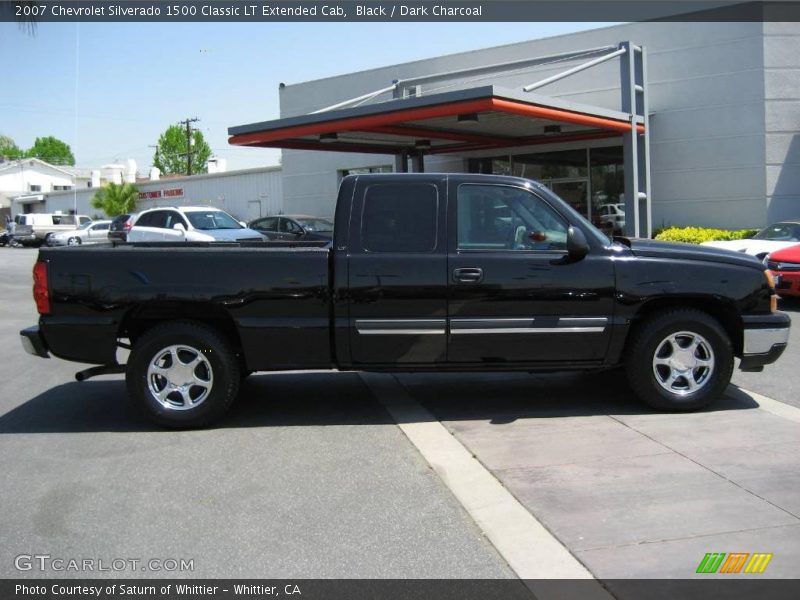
764 339
33 342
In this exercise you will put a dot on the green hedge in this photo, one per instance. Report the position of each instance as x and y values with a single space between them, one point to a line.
697 235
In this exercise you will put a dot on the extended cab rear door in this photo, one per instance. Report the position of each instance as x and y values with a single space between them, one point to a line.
514 297
397 271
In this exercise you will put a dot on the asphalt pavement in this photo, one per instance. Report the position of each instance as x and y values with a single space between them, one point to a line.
307 476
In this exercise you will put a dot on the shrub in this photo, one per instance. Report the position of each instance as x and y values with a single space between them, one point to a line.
697 235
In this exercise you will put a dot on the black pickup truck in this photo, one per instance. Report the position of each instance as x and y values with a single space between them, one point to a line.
426 272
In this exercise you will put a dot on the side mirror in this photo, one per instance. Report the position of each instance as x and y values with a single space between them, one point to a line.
242 223
577 246
299 233
179 227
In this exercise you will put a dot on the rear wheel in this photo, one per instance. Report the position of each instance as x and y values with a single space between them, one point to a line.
680 360
183 374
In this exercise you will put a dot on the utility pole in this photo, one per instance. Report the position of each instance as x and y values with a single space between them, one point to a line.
188 124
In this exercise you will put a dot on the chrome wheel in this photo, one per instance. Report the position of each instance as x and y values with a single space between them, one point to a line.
683 363
73 241
180 377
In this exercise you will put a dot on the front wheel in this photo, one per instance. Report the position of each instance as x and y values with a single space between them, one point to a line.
183 374
74 241
680 360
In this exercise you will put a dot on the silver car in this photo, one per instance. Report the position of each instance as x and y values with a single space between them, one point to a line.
93 232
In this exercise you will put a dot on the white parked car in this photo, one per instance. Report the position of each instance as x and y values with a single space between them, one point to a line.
772 238
611 217
89 233
189 224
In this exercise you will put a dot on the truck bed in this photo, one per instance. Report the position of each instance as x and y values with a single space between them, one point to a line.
257 291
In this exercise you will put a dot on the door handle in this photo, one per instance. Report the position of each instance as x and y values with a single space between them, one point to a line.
468 275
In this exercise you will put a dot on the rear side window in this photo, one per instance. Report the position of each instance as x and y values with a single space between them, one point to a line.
156 218
400 218
268 224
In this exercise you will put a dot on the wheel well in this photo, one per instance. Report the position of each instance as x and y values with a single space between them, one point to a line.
718 309
146 316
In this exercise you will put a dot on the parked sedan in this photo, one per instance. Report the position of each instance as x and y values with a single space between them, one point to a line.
294 227
93 232
785 268
770 239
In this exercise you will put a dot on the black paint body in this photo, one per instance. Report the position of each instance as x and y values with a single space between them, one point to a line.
307 307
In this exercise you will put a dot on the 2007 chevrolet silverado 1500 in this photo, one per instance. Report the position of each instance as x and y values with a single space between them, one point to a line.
426 272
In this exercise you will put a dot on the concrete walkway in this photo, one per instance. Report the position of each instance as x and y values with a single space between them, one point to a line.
632 493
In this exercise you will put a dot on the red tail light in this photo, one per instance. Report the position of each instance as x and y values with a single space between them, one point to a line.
41 292
127 226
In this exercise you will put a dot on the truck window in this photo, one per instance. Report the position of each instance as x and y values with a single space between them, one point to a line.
400 218
495 217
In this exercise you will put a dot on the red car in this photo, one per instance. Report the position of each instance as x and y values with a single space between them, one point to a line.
785 267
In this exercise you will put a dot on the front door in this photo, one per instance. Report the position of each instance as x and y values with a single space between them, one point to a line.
513 298
398 272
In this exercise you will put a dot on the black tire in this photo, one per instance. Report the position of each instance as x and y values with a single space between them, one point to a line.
708 365
212 383
74 241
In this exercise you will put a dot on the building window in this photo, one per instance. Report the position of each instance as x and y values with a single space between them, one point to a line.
587 179
34 188
89 184
366 170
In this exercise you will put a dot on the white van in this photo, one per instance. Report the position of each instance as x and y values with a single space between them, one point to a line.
33 228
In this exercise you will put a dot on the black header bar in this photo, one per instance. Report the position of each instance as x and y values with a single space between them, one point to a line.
419 11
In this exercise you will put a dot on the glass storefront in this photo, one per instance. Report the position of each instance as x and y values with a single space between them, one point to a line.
590 179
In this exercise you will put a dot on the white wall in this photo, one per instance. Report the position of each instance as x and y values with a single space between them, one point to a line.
782 119
246 194
20 178
707 90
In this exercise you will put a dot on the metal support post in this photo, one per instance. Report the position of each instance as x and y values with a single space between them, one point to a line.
636 146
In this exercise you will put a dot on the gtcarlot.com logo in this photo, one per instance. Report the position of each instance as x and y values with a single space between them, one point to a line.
46 562
734 562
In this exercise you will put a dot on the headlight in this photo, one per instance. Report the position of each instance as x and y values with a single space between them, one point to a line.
770 279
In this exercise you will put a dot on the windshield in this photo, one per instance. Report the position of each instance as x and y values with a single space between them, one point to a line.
316 224
783 232
212 219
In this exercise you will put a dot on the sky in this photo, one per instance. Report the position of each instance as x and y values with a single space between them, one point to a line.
127 82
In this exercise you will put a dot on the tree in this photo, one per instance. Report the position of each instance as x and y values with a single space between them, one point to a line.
8 148
116 199
170 156
51 150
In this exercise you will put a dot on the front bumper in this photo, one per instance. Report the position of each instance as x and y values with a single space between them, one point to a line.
764 339
33 342
787 283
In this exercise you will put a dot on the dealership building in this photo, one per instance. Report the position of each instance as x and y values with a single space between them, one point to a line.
683 123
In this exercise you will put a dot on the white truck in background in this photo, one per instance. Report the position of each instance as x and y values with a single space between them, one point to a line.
32 229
